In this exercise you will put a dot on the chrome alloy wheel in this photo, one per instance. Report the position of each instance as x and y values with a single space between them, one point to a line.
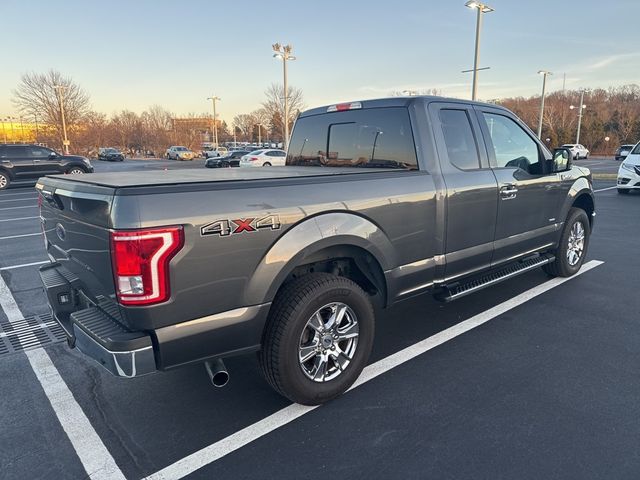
575 245
328 342
3 181
76 171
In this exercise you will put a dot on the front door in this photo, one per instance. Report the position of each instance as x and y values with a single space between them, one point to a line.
43 163
472 191
528 200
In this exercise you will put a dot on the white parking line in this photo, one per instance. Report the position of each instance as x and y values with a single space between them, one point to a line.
12 267
20 236
27 199
33 193
608 188
16 219
95 458
233 442
15 208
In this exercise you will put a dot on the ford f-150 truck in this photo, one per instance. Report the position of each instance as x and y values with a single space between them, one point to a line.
381 200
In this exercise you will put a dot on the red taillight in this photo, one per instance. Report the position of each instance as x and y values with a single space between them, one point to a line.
341 107
253 159
141 263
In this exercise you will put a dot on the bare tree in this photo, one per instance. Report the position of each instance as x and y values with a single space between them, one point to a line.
245 122
273 106
36 95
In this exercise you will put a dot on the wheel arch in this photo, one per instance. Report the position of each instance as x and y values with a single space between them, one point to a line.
342 243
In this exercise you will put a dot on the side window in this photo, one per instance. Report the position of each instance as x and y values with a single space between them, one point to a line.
512 146
370 138
37 152
459 140
16 152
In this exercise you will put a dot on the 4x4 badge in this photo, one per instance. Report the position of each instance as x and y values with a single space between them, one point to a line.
224 228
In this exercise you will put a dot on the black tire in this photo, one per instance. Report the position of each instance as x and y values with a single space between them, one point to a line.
76 170
293 307
623 191
562 267
266 164
5 181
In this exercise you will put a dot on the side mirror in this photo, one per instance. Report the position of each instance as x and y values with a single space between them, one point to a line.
561 160
53 155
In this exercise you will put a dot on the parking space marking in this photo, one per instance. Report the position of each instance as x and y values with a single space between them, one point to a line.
13 194
608 188
233 442
95 458
16 219
26 199
11 267
20 236
16 208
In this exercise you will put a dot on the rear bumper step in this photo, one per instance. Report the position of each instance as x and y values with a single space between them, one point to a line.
94 330
457 290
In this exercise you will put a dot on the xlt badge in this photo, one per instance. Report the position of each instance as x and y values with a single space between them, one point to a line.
224 228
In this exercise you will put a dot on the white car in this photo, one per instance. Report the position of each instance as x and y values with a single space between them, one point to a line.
178 152
264 158
629 172
578 151
215 152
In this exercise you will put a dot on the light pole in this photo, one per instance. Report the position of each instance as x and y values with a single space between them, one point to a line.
481 8
544 74
259 133
580 109
4 132
60 91
214 127
284 52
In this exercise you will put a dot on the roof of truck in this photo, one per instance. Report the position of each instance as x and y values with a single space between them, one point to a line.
400 101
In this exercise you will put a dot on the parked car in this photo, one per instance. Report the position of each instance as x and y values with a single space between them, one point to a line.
214 152
165 271
264 158
178 152
110 155
578 151
23 163
623 151
629 171
232 159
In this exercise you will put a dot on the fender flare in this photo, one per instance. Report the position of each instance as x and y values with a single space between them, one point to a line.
580 187
308 237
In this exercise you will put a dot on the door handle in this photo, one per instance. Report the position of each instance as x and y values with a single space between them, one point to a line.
36 161
508 192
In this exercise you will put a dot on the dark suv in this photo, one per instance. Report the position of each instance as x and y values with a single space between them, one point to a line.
24 163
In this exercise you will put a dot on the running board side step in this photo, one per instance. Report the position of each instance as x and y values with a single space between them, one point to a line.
456 290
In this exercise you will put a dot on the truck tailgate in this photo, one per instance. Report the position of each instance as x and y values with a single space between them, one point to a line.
75 223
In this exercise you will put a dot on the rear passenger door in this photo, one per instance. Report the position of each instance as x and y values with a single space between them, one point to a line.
20 162
43 164
472 191
528 193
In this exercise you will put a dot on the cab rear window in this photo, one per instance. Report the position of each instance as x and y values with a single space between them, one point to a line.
371 138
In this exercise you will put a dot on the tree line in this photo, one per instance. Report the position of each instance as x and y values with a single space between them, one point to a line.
611 117
39 97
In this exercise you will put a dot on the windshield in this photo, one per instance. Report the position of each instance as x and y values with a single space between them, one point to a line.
181 149
636 150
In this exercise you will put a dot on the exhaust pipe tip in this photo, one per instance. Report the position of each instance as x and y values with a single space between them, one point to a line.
218 374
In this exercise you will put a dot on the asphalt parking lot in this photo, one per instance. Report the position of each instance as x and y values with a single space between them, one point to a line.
532 378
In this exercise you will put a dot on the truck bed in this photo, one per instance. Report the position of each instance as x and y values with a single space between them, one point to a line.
174 177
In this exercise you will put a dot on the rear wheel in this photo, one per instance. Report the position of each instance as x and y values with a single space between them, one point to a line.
266 164
75 171
4 180
318 338
573 245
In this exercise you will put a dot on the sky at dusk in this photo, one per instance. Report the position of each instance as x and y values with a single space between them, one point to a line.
134 54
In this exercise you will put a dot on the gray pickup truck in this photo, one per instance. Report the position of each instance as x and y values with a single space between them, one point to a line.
381 200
